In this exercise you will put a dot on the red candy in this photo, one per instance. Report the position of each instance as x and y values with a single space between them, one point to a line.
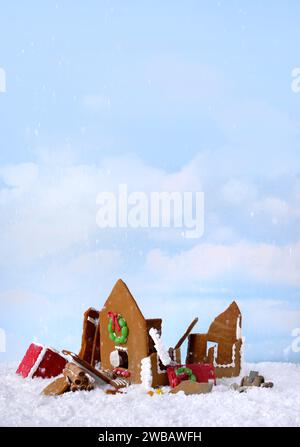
121 372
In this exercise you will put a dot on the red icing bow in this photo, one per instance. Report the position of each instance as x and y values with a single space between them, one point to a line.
115 323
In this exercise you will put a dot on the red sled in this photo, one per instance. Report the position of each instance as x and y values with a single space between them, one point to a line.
41 361
202 371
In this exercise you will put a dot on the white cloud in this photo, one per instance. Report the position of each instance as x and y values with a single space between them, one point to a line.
270 316
46 210
47 215
186 179
19 296
237 191
279 211
49 209
101 261
260 262
20 176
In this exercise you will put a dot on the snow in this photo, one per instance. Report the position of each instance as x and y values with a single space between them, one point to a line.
21 403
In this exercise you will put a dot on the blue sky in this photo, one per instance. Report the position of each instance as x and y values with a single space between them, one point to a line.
160 96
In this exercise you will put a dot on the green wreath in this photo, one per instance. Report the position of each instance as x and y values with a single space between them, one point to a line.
187 371
119 339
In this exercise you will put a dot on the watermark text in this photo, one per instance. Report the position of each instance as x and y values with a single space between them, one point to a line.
294 346
2 340
181 210
295 85
2 80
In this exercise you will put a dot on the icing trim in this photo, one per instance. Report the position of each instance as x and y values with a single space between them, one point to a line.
146 372
95 321
121 348
161 351
227 365
37 363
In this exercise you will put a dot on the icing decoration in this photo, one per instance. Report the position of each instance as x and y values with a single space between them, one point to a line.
229 365
146 372
161 351
117 323
186 371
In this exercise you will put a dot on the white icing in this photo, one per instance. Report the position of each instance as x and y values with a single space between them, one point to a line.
242 353
238 328
95 321
37 344
121 348
114 359
38 361
97 365
159 370
120 381
228 365
146 372
91 379
175 353
161 351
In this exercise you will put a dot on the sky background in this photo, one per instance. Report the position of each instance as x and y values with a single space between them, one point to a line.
162 96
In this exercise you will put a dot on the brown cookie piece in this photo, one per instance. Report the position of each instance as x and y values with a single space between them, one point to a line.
90 341
56 388
190 387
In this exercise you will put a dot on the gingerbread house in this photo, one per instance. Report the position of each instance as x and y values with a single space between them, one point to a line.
128 344
125 340
221 345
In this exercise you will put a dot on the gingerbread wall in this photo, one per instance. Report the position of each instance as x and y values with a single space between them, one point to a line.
225 332
121 301
90 342
159 372
224 326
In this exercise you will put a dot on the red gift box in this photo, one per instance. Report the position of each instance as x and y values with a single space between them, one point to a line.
203 372
41 361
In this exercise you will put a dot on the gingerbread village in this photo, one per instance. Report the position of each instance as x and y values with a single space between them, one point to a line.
121 347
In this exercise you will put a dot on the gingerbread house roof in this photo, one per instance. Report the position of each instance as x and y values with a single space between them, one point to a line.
121 296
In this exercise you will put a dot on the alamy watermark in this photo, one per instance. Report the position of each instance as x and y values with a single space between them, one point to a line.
181 210
2 80
294 346
295 84
2 340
